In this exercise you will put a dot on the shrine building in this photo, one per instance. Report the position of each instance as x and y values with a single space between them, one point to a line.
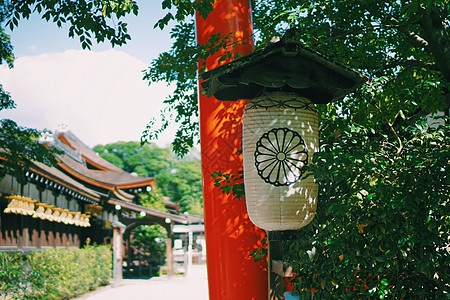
80 201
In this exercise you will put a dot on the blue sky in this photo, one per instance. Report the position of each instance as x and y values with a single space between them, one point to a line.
36 36
98 94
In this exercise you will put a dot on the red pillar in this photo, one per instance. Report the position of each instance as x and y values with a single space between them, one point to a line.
230 235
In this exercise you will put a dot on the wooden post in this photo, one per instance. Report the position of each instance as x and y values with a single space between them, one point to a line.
118 230
230 235
275 281
277 269
189 250
169 249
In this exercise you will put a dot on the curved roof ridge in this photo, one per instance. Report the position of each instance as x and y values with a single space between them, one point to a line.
89 155
122 195
120 178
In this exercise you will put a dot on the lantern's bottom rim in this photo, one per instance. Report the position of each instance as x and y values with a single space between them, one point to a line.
271 227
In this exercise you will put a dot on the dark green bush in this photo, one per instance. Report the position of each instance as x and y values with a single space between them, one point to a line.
54 273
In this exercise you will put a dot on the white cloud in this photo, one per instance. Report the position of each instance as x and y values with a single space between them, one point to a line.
100 95
33 48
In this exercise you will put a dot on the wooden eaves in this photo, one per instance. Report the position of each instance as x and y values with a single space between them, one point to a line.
177 219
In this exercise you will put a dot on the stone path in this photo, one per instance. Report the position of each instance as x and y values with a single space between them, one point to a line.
193 286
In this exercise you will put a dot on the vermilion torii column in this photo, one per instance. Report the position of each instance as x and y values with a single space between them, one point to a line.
230 235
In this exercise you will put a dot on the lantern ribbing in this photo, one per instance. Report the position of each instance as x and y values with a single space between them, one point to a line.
280 136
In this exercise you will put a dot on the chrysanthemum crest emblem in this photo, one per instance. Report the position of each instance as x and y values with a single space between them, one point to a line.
279 156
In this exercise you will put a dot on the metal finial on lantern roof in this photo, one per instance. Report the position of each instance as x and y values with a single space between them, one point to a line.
292 35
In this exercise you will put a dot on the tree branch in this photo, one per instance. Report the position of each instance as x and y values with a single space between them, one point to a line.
400 143
391 22
390 124
438 37
404 63
415 39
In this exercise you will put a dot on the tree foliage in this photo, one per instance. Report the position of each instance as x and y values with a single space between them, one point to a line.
403 46
153 200
382 223
88 19
382 226
177 66
148 160
57 273
149 240
19 147
178 179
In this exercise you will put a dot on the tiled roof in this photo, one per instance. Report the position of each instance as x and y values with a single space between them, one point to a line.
120 178
77 157
87 153
56 175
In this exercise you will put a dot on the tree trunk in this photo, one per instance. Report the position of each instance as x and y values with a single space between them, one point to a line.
438 39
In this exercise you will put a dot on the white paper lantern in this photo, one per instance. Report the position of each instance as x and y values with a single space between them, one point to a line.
280 135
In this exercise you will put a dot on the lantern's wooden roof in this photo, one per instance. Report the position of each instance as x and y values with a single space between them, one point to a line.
284 65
